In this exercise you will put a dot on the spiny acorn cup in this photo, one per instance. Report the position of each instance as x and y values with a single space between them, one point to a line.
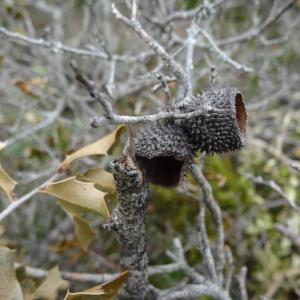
223 127
163 153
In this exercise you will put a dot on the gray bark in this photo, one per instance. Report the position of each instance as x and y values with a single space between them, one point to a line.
128 221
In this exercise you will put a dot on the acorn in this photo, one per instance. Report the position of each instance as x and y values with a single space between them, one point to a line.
222 128
163 153
164 150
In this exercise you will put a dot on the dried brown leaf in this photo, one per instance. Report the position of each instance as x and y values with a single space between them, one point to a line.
25 88
100 147
106 291
9 285
82 194
50 286
84 232
103 179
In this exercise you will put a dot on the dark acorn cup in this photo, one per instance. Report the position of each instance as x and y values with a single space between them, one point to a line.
163 153
223 127
164 150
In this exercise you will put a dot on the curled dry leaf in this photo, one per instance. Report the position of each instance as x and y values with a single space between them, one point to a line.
25 88
7 184
82 194
103 179
84 232
9 285
77 197
105 291
100 147
50 286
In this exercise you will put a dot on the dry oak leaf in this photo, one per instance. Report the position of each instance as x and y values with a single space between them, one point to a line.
9 285
83 196
84 232
50 286
100 147
105 291
25 88
7 184
103 179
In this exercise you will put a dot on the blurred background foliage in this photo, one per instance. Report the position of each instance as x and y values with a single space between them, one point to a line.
33 83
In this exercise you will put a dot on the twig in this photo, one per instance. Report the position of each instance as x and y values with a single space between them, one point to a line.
98 278
179 257
229 258
204 243
278 280
241 278
253 32
94 92
174 67
191 291
276 188
111 79
191 41
56 47
45 123
287 232
296 167
163 269
182 15
14 205
216 216
117 119
111 118
74 276
222 55
163 84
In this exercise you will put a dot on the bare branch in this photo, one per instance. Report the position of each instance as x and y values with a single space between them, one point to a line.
174 67
57 47
222 55
253 32
191 41
111 118
183 15
287 232
241 278
276 188
73 276
216 216
14 205
191 291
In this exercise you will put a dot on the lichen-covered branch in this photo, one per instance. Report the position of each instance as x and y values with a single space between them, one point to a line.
128 222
